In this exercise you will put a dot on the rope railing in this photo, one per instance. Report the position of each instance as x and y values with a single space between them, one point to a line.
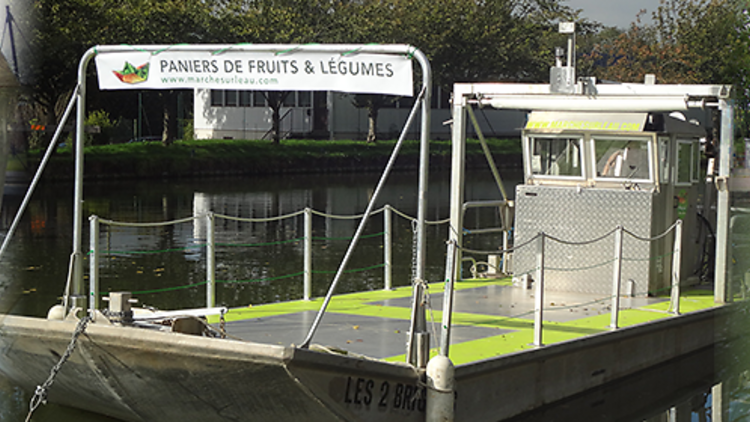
540 268
210 245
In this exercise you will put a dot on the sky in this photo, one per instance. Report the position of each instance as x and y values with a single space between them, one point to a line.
619 13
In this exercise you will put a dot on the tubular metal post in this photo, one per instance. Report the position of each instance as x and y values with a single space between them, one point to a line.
674 304
37 175
505 252
388 247
210 261
721 282
539 299
94 265
450 273
308 254
616 279
362 223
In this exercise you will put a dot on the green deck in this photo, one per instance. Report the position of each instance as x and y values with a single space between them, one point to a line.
495 317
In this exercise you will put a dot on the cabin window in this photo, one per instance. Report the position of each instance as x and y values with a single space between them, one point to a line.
697 171
556 157
626 159
685 162
664 157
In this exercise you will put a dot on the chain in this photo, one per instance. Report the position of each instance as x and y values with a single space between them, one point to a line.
222 325
40 396
426 302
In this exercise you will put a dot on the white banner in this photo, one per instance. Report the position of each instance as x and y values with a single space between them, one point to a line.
263 71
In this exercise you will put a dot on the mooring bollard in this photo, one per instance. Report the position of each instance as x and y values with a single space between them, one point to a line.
440 386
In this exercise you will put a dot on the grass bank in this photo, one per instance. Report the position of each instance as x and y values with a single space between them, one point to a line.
231 157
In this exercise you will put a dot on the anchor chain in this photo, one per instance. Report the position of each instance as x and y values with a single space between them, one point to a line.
40 395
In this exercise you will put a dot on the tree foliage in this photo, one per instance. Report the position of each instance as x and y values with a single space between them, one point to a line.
689 42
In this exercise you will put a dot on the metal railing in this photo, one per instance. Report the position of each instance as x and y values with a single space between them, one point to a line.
211 246
539 241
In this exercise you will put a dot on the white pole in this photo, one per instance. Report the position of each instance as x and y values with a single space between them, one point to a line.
94 265
78 288
308 255
674 304
440 386
721 283
210 261
388 247
616 279
539 299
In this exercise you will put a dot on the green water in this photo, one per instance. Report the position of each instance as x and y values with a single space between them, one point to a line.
257 262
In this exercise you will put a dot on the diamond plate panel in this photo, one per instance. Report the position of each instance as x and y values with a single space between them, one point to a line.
579 215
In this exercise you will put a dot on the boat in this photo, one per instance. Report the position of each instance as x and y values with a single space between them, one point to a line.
488 362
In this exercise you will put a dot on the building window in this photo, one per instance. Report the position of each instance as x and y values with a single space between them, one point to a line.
304 99
259 100
246 98
217 98
230 98
289 99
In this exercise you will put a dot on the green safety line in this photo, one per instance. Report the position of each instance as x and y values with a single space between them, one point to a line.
111 252
365 236
354 270
165 289
280 242
260 280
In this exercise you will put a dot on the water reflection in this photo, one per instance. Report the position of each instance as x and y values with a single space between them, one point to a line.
39 259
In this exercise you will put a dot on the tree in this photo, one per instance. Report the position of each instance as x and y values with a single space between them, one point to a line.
275 100
373 103
64 30
689 42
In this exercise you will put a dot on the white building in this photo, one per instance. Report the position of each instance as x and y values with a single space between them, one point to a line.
231 114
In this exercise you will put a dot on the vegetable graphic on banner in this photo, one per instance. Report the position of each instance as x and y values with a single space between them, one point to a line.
131 74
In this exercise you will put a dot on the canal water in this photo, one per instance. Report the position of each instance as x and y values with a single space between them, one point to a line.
261 261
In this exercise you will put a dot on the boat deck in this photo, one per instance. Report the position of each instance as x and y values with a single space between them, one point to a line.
491 318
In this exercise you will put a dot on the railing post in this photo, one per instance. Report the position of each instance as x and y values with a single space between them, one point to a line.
616 279
94 264
450 275
308 255
210 262
506 267
539 299
388 247
674 302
